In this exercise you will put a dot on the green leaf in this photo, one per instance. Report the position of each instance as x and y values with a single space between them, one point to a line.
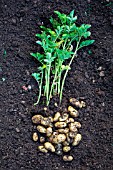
71 14
86 43
87 34
36 76
38 56
87 26
39 35
54 22
39 42
61 16
65 67
63 54
64 36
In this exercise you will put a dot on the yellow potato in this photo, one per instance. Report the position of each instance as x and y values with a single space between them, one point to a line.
41 148
41 129
35 137
60 124
67 158
37 119
49 146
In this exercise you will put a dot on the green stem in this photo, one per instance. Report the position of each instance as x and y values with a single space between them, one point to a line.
45 84
63 81
52 86
48 84
65 44
59 75
40 90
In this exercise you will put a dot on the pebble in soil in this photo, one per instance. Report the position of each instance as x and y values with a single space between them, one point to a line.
59 134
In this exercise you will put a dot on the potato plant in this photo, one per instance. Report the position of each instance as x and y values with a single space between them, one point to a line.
57 46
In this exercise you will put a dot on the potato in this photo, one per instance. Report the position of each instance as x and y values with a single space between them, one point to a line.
41 129
77 103
59 138
41 148
49 131
64 117
77 139
35 137
65 130
37 119
66 148
56 117
49 146
67 158
73 112
42 139
60 124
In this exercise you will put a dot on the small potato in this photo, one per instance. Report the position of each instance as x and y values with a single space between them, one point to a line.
64 117
60 124
49 146
67 158
41 148
42 139
56 117
46 121
73 112
83 104
37 119
77 139
66 148
53 137
61 138
72 134
41 129
72 127
77 103
66 130
77 124
49 131
35 137
58 138
69 120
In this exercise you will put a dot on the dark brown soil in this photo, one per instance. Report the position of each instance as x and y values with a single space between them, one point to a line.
19 22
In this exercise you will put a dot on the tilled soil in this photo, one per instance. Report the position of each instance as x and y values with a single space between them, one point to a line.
90 79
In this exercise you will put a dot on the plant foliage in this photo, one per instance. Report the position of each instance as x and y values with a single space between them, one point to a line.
56 43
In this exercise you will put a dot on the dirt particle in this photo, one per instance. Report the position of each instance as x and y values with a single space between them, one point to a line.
17 130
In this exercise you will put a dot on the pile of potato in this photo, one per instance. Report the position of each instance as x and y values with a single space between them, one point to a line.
59 134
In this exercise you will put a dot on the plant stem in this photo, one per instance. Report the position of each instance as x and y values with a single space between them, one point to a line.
48 84
59 75
63 81
40 90
46 92
52 86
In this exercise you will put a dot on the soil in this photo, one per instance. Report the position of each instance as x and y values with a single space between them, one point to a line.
91 79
